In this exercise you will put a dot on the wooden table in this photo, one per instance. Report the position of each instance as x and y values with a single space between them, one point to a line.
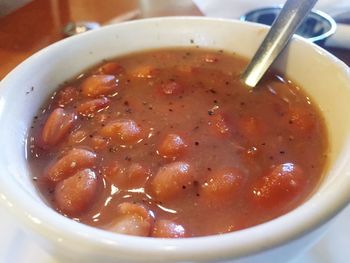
40 23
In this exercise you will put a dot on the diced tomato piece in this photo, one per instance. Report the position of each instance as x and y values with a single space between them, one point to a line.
168 229
133 219
281 188
70 163
57 126
173 145
171 179
98 85
223 185
125 130
76 193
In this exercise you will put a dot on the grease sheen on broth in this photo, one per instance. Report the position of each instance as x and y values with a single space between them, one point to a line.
168 143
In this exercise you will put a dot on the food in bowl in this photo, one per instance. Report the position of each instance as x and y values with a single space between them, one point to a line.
169 143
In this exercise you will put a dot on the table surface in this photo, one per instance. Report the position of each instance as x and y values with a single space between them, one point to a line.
40 22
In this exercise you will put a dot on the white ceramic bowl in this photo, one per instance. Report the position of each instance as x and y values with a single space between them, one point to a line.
325 78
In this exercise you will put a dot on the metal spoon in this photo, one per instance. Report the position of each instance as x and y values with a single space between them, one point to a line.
291 16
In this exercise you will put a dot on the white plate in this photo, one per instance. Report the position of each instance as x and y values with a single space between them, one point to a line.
16 246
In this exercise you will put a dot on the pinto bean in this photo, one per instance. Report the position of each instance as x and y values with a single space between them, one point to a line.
57 127
132 176
171 179
75 194
97 85
111 68
222 186
283 186
70 163
168 229
91 106
172 145
134 219
124 130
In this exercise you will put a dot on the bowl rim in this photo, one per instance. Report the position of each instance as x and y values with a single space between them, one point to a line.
235 244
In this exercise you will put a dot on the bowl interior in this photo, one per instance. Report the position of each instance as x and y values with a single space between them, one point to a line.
22 92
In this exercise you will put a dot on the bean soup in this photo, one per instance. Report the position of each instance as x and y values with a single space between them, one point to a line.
169 143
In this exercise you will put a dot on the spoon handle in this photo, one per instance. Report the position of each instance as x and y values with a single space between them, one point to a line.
291 16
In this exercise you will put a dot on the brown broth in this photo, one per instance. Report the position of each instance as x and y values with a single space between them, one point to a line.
196 94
